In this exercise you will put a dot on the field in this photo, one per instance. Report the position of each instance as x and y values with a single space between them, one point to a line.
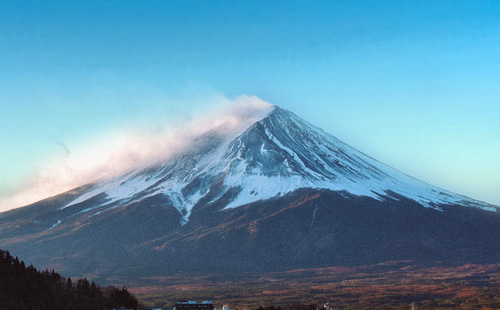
390 285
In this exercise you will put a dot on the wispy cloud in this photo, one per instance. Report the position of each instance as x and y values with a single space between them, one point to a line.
126 149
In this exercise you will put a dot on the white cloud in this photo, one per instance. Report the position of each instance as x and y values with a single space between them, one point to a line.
127 149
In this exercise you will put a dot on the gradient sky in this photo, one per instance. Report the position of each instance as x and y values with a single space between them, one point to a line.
414 84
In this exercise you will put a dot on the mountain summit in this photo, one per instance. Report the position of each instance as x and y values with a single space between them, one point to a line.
277 155
279 194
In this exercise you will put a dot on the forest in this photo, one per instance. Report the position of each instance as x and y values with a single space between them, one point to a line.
26 288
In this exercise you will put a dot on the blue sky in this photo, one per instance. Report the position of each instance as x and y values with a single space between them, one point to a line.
414 84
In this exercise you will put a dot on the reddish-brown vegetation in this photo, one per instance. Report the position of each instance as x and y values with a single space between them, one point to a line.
391 285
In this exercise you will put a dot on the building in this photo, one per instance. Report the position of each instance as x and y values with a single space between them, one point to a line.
193 305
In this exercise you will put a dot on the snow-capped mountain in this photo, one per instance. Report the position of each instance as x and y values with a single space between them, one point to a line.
275 156
278 195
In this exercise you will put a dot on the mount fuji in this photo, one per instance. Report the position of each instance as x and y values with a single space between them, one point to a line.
277 155
281 194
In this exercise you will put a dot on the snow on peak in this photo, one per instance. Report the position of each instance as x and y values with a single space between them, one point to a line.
277 154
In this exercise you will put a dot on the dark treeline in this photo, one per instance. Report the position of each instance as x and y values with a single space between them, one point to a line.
25 288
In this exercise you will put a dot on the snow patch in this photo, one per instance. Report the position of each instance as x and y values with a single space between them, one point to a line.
313 216
55 224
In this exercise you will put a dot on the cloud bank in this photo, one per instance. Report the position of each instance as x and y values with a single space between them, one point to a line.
127 149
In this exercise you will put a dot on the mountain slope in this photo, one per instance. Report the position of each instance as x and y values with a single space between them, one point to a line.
279 154
282 194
